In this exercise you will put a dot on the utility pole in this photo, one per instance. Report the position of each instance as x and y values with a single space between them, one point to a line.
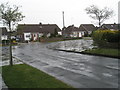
63 29
63 20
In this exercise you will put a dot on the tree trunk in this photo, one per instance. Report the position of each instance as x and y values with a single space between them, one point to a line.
99 23
11 61
10 45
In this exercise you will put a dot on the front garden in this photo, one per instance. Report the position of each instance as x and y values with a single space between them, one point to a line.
104 43
25 76
104 51
108 43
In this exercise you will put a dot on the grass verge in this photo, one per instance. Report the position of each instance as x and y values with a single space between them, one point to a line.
104 51
25 76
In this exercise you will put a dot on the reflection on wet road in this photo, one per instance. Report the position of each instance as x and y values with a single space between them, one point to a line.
80 71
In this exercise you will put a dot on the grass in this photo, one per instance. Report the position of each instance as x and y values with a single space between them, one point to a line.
25 76
104 51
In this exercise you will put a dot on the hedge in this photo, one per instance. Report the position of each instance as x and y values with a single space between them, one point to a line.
105 37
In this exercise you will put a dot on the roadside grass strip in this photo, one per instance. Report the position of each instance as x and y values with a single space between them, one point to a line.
105 51
25 76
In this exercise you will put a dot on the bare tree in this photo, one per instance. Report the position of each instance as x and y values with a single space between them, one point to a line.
11 15
99 14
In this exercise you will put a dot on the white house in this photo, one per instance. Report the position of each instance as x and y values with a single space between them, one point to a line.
87 28
60 32
33 32
72 31
27 36
110 26
4 33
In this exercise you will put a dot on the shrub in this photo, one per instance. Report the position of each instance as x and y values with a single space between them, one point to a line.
106 36
59 35
52 35
102 37
5 42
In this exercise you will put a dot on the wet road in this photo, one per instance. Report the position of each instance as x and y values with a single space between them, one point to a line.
80 71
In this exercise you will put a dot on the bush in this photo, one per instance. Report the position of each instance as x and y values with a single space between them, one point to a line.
5 42
102 37
106 36
52 35
59 35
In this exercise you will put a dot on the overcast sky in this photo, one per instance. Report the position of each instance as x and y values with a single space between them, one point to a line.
50 11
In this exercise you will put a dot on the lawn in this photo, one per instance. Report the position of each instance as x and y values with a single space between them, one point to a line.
104 51
25 76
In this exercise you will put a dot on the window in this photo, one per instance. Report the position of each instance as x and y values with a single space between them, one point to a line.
27 35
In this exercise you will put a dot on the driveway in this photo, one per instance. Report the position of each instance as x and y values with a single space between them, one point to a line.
77 70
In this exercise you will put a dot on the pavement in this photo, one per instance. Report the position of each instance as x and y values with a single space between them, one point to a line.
77 70
2 83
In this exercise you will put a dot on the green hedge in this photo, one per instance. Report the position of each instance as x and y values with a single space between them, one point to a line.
5 42
106 36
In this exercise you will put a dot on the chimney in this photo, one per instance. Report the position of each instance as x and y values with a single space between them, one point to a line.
40 23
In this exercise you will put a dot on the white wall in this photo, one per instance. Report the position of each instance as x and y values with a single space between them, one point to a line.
27 36
77 34
48 35
40 34
74 34
35 36
4 37
80 34
13 37
60 32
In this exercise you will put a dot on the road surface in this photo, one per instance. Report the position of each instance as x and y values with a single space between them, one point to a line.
77 70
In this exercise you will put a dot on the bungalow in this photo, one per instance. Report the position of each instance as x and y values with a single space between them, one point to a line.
72 31
87 28
110 26
84 29
27 32
4 32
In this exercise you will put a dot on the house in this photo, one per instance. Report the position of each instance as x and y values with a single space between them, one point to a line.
84 29
27 32
4 33
87 28
110 26
3 30
73 32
